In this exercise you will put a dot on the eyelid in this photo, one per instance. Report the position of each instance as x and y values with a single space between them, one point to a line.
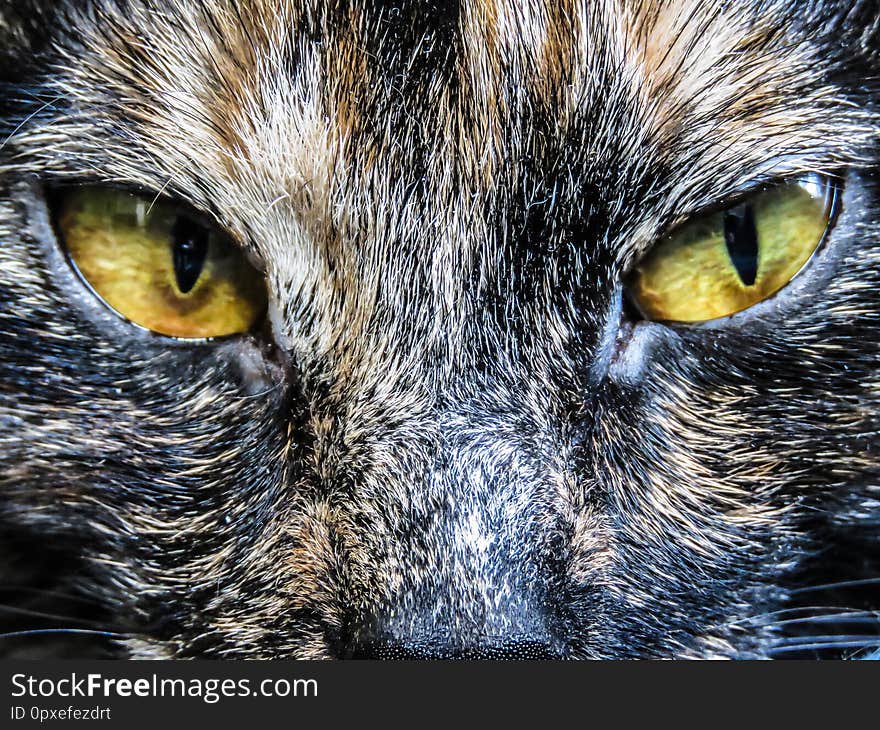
208 219
670 228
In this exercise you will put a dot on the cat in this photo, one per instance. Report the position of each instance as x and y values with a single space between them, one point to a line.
456 432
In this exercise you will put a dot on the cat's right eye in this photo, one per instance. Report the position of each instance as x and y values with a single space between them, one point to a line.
157 266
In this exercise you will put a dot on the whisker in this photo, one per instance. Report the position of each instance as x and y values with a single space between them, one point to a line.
261 394
826 645
36 632
27 119
867 640
850 617
784 611
167 183
839 584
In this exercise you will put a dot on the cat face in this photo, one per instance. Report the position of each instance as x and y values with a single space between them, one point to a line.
451 436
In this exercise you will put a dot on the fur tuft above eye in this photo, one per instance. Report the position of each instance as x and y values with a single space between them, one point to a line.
724 262
158 267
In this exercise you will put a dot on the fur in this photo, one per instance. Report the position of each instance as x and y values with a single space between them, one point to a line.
451 439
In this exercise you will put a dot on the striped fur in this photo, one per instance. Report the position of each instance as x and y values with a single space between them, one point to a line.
445 438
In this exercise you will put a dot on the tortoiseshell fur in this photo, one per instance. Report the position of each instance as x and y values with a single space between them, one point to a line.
451 439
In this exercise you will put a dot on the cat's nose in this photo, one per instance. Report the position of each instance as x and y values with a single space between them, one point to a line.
513 650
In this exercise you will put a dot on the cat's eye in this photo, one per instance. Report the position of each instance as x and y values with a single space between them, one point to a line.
730 260
157 266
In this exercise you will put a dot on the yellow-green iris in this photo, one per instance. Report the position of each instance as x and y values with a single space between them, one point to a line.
727 261
158 267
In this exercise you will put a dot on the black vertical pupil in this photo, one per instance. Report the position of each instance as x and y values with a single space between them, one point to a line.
189 243
741 237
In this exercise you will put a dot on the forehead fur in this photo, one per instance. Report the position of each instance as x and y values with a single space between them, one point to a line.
284 120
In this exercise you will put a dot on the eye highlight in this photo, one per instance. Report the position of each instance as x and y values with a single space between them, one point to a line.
729 260
158 267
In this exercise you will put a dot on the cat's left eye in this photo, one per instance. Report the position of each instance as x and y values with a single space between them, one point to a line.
729 260
158 266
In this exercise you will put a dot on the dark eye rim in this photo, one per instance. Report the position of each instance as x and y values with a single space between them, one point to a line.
834 206
53 194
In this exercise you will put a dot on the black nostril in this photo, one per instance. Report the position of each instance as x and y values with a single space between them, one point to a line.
505 651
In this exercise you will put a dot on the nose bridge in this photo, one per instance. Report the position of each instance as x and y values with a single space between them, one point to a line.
469 570
452 451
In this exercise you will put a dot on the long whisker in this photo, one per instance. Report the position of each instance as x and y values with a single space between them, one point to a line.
839 584
27 119
848 644
848 617
867 640
37 632
786 611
